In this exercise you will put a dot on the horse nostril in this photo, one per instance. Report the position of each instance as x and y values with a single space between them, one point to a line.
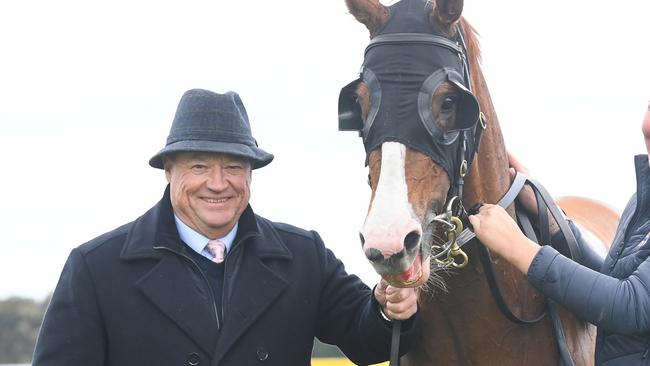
373 255
363 241
412 240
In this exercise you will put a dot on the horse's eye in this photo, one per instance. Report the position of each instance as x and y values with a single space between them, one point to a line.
449 103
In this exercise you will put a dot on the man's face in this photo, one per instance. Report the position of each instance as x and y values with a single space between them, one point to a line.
209 191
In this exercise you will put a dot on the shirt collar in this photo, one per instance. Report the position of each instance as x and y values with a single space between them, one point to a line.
198 241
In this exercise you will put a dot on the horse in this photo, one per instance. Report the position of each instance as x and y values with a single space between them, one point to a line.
434 147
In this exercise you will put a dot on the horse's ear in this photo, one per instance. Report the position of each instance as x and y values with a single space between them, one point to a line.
370 13
446 13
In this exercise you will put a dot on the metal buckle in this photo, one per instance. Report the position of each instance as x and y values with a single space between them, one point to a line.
453 227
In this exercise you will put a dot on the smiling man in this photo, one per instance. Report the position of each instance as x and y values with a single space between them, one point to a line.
200 279
208 192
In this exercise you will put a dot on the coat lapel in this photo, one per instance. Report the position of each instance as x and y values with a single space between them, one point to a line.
256 287
176 290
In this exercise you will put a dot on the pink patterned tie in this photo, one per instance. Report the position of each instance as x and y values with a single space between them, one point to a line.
216 248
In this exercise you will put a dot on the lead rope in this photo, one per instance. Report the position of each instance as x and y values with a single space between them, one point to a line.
394 343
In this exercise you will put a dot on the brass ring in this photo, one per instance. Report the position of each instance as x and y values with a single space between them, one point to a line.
482 119
463 168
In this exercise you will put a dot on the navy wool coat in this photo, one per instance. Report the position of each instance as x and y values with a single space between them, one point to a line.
134 296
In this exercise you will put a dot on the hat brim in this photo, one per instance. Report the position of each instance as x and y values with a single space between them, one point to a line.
258 157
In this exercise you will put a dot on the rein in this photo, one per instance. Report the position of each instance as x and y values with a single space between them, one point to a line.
544 202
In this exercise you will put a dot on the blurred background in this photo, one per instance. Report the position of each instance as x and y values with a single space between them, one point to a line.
88 91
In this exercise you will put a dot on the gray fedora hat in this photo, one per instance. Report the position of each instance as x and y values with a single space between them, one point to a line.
209 122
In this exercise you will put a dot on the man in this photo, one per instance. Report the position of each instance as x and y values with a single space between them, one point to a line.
200 279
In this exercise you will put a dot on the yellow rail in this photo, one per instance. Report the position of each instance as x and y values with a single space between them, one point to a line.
337 362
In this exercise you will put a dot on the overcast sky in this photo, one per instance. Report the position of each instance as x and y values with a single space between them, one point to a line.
88 91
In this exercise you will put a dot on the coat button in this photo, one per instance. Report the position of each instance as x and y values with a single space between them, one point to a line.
193 359
262 355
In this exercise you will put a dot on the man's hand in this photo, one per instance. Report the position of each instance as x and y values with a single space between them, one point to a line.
396 303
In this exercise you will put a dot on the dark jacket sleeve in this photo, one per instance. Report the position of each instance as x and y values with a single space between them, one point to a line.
350 315
72 331
590 257
618 305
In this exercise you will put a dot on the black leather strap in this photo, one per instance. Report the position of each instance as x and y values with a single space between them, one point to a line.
486 261
545 204
573 250
542 216
524 223
421 38
394 344
560 338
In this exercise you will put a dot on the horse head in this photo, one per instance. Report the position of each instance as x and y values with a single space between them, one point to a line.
419 121
421 104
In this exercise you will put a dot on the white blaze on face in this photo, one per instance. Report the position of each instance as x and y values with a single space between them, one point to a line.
391 216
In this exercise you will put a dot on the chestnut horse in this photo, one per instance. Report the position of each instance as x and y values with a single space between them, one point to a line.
422 106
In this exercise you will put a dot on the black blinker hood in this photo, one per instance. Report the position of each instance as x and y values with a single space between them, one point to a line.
405 62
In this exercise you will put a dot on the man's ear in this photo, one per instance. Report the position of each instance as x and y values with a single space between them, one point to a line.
167 166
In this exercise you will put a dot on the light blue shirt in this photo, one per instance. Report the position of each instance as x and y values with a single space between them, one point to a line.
198 242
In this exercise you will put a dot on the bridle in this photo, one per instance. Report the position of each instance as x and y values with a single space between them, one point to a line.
459 145
465 141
